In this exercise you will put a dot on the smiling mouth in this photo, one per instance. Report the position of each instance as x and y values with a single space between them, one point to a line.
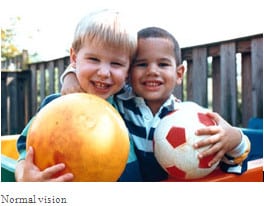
152 83
101 85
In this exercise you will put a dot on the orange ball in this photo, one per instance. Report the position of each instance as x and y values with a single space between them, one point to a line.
83 131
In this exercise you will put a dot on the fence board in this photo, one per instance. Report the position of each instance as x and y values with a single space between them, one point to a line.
4 115
14 99
228 82
257 76
51 77
246 88
34 86
42 81
197 77
216 75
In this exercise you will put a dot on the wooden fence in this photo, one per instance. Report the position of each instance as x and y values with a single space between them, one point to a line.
225 76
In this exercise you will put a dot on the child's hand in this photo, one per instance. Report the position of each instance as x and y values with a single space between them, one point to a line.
223 138
70 84
29 172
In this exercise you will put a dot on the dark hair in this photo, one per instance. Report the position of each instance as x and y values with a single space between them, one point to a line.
157 32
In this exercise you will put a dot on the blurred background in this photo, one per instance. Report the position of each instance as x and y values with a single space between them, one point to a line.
221 41
45 27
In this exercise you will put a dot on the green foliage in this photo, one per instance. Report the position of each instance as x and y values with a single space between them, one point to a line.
8 48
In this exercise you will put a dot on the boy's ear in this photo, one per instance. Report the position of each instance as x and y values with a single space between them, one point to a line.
73 58
180 71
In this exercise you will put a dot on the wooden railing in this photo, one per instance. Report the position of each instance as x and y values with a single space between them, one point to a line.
23 90
236 97
225 76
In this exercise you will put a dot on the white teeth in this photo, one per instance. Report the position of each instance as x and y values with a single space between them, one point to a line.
100 85
152 84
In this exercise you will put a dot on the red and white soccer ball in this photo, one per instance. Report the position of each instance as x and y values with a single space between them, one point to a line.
173 143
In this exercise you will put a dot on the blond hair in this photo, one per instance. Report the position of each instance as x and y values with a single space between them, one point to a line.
106 27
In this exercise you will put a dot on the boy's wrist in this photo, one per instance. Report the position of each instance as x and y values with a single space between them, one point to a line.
241 147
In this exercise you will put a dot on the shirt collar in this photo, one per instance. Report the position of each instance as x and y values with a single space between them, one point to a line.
128 94
110 99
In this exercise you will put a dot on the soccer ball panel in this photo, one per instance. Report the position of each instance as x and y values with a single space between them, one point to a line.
181 137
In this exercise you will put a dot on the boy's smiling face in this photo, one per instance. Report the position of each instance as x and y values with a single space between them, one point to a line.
154 72
100 69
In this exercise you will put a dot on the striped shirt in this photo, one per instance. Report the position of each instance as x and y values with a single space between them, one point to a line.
141 125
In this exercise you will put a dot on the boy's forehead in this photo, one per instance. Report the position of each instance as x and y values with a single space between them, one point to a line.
97 41
105 48
155 41
154 44
107 43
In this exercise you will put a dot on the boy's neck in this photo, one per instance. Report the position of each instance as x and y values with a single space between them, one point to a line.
154 106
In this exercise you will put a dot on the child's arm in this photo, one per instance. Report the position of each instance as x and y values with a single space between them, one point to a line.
229 143
69 82
27 171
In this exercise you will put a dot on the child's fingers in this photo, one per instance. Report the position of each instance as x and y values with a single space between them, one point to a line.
214 150
210 151
30 155
211 140
210 130
215 116
49 172
64 178
219 155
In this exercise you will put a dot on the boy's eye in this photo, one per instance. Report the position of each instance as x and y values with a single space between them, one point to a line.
164 64
93 59
116 64
141 64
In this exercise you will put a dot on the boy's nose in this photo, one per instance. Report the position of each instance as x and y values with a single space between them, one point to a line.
104 71
152 69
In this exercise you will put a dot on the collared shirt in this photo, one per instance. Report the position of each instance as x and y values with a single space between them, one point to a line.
141 124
